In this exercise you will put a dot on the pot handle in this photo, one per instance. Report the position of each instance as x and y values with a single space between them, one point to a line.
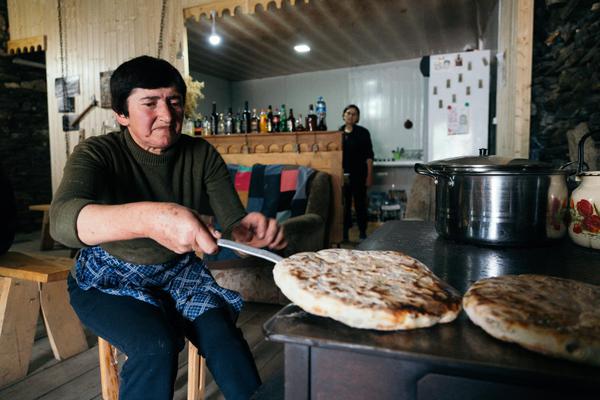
425 170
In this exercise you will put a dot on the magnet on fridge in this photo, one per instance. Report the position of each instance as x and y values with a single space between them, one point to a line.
469 66
468 90
458 61
454 98
485 61
460 77
481 84
447 83
435 90
441 103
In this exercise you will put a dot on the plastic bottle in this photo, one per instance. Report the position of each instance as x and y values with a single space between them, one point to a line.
321 114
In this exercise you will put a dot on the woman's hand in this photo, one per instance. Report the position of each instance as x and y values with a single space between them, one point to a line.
259 231
181 230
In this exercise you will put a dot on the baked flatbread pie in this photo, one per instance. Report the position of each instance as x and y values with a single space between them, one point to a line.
555 316
383 290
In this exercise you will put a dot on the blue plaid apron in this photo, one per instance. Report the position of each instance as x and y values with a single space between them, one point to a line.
187 280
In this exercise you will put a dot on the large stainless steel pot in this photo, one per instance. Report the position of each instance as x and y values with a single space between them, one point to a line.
498 201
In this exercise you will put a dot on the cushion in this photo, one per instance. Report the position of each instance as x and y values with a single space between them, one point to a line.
278 191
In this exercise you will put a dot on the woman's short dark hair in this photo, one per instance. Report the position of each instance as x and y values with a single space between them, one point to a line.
355 107
142 72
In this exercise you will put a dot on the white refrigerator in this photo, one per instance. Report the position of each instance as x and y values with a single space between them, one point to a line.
458 104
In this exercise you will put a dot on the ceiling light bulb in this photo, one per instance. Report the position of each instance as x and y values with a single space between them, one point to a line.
214 39
302 48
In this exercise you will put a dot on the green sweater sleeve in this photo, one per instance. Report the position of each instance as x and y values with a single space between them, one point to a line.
82 175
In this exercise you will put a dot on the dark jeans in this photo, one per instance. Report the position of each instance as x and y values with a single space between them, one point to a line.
356 189
152 338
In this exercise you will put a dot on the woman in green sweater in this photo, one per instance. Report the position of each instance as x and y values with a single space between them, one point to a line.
131 200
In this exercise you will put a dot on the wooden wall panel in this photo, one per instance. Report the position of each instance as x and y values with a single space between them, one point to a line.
100 34
513 108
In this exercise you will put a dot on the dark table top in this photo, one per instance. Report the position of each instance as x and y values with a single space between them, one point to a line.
459 344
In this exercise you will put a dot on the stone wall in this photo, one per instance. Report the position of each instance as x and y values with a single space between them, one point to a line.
566 75
24 144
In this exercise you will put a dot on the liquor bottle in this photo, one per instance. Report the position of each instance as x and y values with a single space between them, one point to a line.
311 119
254 121
291 122
299 125
247 117
321 114
221 124
283 120
270 119
237 123
262 121
276 117
229 122
198 127
214 119
206 128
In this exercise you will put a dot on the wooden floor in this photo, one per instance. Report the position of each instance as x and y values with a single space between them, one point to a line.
78 378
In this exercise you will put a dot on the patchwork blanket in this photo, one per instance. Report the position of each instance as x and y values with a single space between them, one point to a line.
278 190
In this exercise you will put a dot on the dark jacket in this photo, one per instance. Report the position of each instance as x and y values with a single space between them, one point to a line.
357 149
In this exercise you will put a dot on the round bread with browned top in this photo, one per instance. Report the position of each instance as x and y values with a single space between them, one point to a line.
554 316
383 290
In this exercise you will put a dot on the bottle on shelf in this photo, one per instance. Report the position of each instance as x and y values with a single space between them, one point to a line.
283 120
276 117
311 119
221 129
321 114
291 121
229 122
198 127
237 123
246 123
299 125
206 127
254 121
262 121
214 119
270 119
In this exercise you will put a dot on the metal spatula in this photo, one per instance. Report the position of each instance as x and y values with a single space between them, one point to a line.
253 251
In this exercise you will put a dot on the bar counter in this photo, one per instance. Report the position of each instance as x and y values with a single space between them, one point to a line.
458 360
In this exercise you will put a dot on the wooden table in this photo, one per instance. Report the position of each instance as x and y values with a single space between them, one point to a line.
28 284
46 241
326 359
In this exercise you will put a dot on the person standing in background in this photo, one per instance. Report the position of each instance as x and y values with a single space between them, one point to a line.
357 161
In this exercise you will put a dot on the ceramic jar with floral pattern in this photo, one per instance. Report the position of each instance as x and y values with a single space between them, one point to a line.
558 208
584 228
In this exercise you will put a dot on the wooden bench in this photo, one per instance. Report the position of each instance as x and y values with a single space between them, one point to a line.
46 241
28 284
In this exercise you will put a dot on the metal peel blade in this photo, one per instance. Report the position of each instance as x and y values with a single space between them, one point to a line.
253 251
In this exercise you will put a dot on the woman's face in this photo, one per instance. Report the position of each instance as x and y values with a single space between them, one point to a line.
155 117
351 116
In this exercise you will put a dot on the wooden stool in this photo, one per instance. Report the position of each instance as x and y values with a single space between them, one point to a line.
46 241
109 372
27 284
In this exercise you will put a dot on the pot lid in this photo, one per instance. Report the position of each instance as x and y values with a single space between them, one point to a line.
486 163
